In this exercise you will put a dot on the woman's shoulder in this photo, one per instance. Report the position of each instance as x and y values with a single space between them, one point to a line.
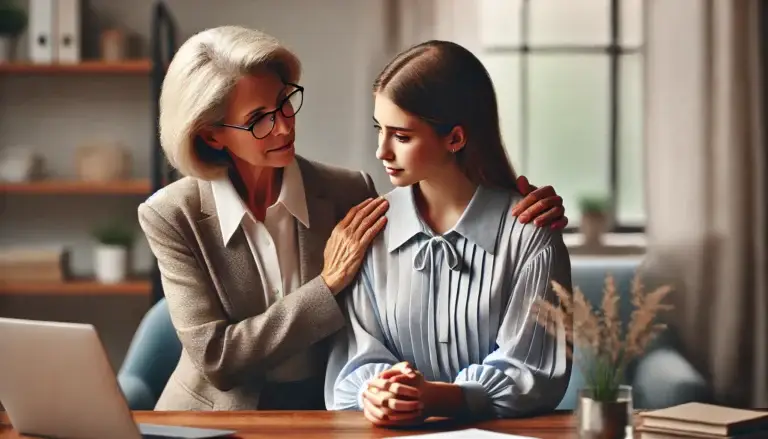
322 170
181 198
344 188
529 236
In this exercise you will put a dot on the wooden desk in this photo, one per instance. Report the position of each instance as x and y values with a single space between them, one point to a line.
312 425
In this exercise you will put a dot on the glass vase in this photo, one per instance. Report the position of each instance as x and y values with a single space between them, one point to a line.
605 419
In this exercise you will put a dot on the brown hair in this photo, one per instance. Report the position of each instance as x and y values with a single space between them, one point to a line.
445 85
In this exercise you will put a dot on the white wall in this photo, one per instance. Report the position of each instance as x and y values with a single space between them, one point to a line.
341 44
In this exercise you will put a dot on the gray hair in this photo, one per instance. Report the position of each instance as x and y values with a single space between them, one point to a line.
199 79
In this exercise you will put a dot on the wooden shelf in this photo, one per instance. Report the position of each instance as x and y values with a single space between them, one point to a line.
129 67
77 288
75 187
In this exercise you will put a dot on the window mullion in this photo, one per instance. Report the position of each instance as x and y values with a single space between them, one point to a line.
613 79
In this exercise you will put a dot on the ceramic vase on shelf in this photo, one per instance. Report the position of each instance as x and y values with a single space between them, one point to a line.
605 419
594 220
111 263
593 226
111 253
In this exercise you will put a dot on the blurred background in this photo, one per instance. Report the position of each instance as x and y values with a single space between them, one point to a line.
647 116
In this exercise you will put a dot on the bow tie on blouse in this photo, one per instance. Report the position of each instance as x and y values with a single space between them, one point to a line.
428 251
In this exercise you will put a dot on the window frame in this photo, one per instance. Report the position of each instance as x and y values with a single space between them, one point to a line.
614 50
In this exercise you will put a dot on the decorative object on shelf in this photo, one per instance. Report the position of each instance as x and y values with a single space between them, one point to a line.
34 264
68 31
13 21
594 219
602 348
103 162
111 254
20 164
113 44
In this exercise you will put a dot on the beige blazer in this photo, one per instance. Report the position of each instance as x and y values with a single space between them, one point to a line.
229 335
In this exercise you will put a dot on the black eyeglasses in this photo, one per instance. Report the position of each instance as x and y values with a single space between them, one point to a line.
265 123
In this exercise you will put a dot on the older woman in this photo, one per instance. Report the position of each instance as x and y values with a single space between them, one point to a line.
255 243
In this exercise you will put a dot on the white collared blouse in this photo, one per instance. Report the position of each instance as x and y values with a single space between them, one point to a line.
274 246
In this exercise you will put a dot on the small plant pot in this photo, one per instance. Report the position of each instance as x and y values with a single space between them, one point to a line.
605 419
111 263
593 226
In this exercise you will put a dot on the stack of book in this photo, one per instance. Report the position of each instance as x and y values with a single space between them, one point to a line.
20 264
703 421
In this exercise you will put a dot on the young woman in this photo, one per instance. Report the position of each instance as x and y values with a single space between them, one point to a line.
255 243
441 318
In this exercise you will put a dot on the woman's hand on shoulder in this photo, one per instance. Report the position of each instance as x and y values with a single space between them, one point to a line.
349 242
542 205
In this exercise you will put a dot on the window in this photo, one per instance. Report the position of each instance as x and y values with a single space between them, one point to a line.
568 76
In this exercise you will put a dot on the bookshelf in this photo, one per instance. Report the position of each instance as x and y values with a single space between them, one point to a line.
128 67
74 187
78 287
162 47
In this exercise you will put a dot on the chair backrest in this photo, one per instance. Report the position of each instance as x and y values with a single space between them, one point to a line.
151 358
589 275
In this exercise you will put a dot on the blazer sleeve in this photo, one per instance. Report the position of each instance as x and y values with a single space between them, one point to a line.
227 353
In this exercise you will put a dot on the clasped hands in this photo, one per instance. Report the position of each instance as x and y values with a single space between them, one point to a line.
399 396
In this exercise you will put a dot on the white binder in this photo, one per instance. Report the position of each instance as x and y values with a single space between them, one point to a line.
68 31
42 35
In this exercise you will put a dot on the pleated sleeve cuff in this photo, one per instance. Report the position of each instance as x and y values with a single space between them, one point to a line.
486 390
349 392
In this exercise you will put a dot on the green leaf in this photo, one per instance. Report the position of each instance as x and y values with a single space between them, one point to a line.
593 204
13 19
114 234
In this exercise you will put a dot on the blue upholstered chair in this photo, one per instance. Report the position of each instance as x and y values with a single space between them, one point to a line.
660 378
151 358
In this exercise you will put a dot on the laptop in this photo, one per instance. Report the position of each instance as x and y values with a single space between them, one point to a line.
56 381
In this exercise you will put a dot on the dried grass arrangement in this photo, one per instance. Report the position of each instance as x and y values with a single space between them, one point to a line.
606 346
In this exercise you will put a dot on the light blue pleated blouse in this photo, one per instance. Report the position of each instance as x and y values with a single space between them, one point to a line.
458 307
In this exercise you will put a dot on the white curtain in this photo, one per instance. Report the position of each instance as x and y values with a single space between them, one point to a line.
706 167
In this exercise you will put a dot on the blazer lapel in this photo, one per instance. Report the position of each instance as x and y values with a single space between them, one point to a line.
234 268
322 220
235 273
312 240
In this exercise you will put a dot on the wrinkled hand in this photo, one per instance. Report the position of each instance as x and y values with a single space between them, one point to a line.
542 205
349 242
394 397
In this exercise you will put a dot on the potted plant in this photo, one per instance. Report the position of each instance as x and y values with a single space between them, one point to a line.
111 253
602 347
594 219
13 21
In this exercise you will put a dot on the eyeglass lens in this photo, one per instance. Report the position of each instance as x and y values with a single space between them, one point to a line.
289 108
